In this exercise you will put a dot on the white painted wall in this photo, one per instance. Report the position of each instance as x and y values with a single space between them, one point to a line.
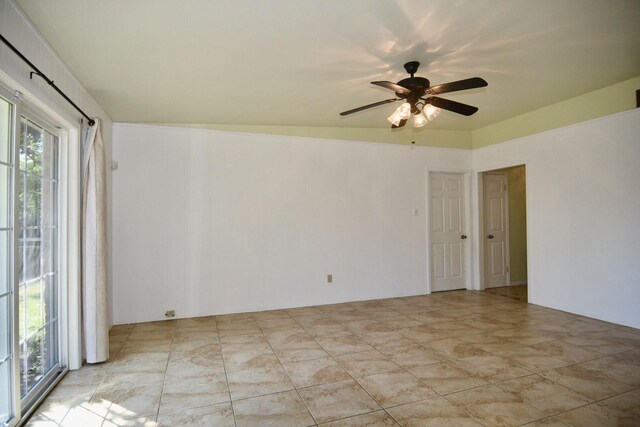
583 215
209 222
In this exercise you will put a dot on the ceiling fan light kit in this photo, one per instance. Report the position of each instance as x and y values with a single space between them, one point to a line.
417 93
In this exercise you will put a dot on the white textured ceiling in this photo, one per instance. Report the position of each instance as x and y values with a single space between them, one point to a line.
301 62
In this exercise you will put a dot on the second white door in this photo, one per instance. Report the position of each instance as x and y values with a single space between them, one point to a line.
496 224
447 231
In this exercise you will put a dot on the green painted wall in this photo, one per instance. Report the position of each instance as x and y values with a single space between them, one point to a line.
517 223
603 102
424 137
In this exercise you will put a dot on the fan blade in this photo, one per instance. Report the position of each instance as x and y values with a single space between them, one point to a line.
402 123
364 107
471 83
454 106
394 87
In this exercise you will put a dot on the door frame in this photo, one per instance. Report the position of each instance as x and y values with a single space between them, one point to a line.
468 223
507 255
479 261
69 211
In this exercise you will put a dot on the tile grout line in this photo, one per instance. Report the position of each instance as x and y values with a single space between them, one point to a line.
285 370
164 378
226 376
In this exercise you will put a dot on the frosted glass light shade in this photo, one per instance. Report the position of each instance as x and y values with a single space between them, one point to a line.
431 112
395 118
419 120
402 113
405 110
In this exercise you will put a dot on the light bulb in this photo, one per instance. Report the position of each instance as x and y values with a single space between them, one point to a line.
419 120
431 112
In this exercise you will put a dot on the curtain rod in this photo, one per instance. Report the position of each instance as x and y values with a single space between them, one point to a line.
37 72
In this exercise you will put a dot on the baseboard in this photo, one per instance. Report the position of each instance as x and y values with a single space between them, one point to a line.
521 282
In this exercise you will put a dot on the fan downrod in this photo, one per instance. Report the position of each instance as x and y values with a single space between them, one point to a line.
412 67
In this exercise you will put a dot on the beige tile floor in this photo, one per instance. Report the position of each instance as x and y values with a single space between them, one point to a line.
449 359
518 292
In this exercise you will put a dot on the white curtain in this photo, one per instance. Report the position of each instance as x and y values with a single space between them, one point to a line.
94 248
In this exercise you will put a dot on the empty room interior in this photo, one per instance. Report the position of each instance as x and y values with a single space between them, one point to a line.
340 213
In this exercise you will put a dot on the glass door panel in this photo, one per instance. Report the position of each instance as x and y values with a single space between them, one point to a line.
37 266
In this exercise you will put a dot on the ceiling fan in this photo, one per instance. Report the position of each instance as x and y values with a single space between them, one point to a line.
419 99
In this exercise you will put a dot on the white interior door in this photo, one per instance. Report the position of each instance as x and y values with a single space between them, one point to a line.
447 231
496 223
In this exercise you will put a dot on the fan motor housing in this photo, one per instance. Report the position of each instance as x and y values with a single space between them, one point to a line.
415 84
418 87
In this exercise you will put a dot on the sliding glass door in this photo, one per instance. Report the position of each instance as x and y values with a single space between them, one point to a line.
37 257
29 265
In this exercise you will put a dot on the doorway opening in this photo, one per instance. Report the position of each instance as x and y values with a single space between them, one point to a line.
504 232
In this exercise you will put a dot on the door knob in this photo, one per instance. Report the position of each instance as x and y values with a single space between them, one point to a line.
490 236
464 236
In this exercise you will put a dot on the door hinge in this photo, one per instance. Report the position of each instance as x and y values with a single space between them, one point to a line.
504 188
507 268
